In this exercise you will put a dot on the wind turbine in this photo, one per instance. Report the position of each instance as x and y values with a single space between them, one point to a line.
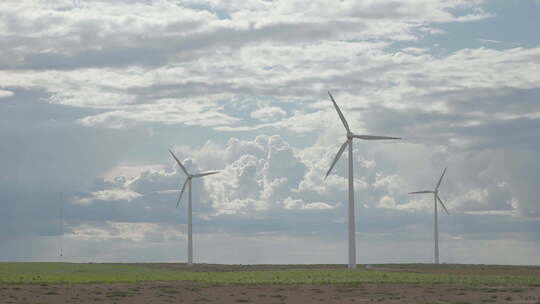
348 142
436 198
188 182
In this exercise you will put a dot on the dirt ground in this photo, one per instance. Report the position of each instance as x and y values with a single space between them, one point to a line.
417 268
186 292
182 292
503 270
224 267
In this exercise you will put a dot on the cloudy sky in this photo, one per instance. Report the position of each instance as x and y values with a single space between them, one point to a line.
93 93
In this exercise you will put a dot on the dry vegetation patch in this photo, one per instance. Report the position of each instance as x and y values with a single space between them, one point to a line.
173 283
185 292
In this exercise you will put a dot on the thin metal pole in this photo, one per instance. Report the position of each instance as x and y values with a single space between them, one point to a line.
190 231
61 227
436 254
352 229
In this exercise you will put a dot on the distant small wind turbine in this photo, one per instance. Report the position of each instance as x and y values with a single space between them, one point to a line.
348 142
436 198
188 182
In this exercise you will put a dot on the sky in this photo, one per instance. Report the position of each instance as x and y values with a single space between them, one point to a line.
93 94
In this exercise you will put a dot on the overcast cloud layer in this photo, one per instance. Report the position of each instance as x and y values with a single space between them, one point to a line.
93 93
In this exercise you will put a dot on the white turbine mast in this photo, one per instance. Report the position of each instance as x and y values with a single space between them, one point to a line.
188 182
435 221
348 142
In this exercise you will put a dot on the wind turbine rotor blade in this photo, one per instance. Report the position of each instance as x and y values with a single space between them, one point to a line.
205 173
182 192
417 192
178 161
338 155
442 204
339 113
440 179
373 137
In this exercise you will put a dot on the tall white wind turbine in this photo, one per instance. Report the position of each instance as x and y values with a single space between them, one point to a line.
436 198
188 182
348 142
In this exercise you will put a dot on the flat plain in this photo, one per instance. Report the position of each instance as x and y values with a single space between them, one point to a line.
209 283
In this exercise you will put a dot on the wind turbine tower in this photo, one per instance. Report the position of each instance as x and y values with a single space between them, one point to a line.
435 220
188 183
348 142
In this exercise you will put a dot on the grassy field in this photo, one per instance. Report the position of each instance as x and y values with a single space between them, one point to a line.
62 273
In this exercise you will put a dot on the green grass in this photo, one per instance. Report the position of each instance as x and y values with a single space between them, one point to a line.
55 273
62 273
